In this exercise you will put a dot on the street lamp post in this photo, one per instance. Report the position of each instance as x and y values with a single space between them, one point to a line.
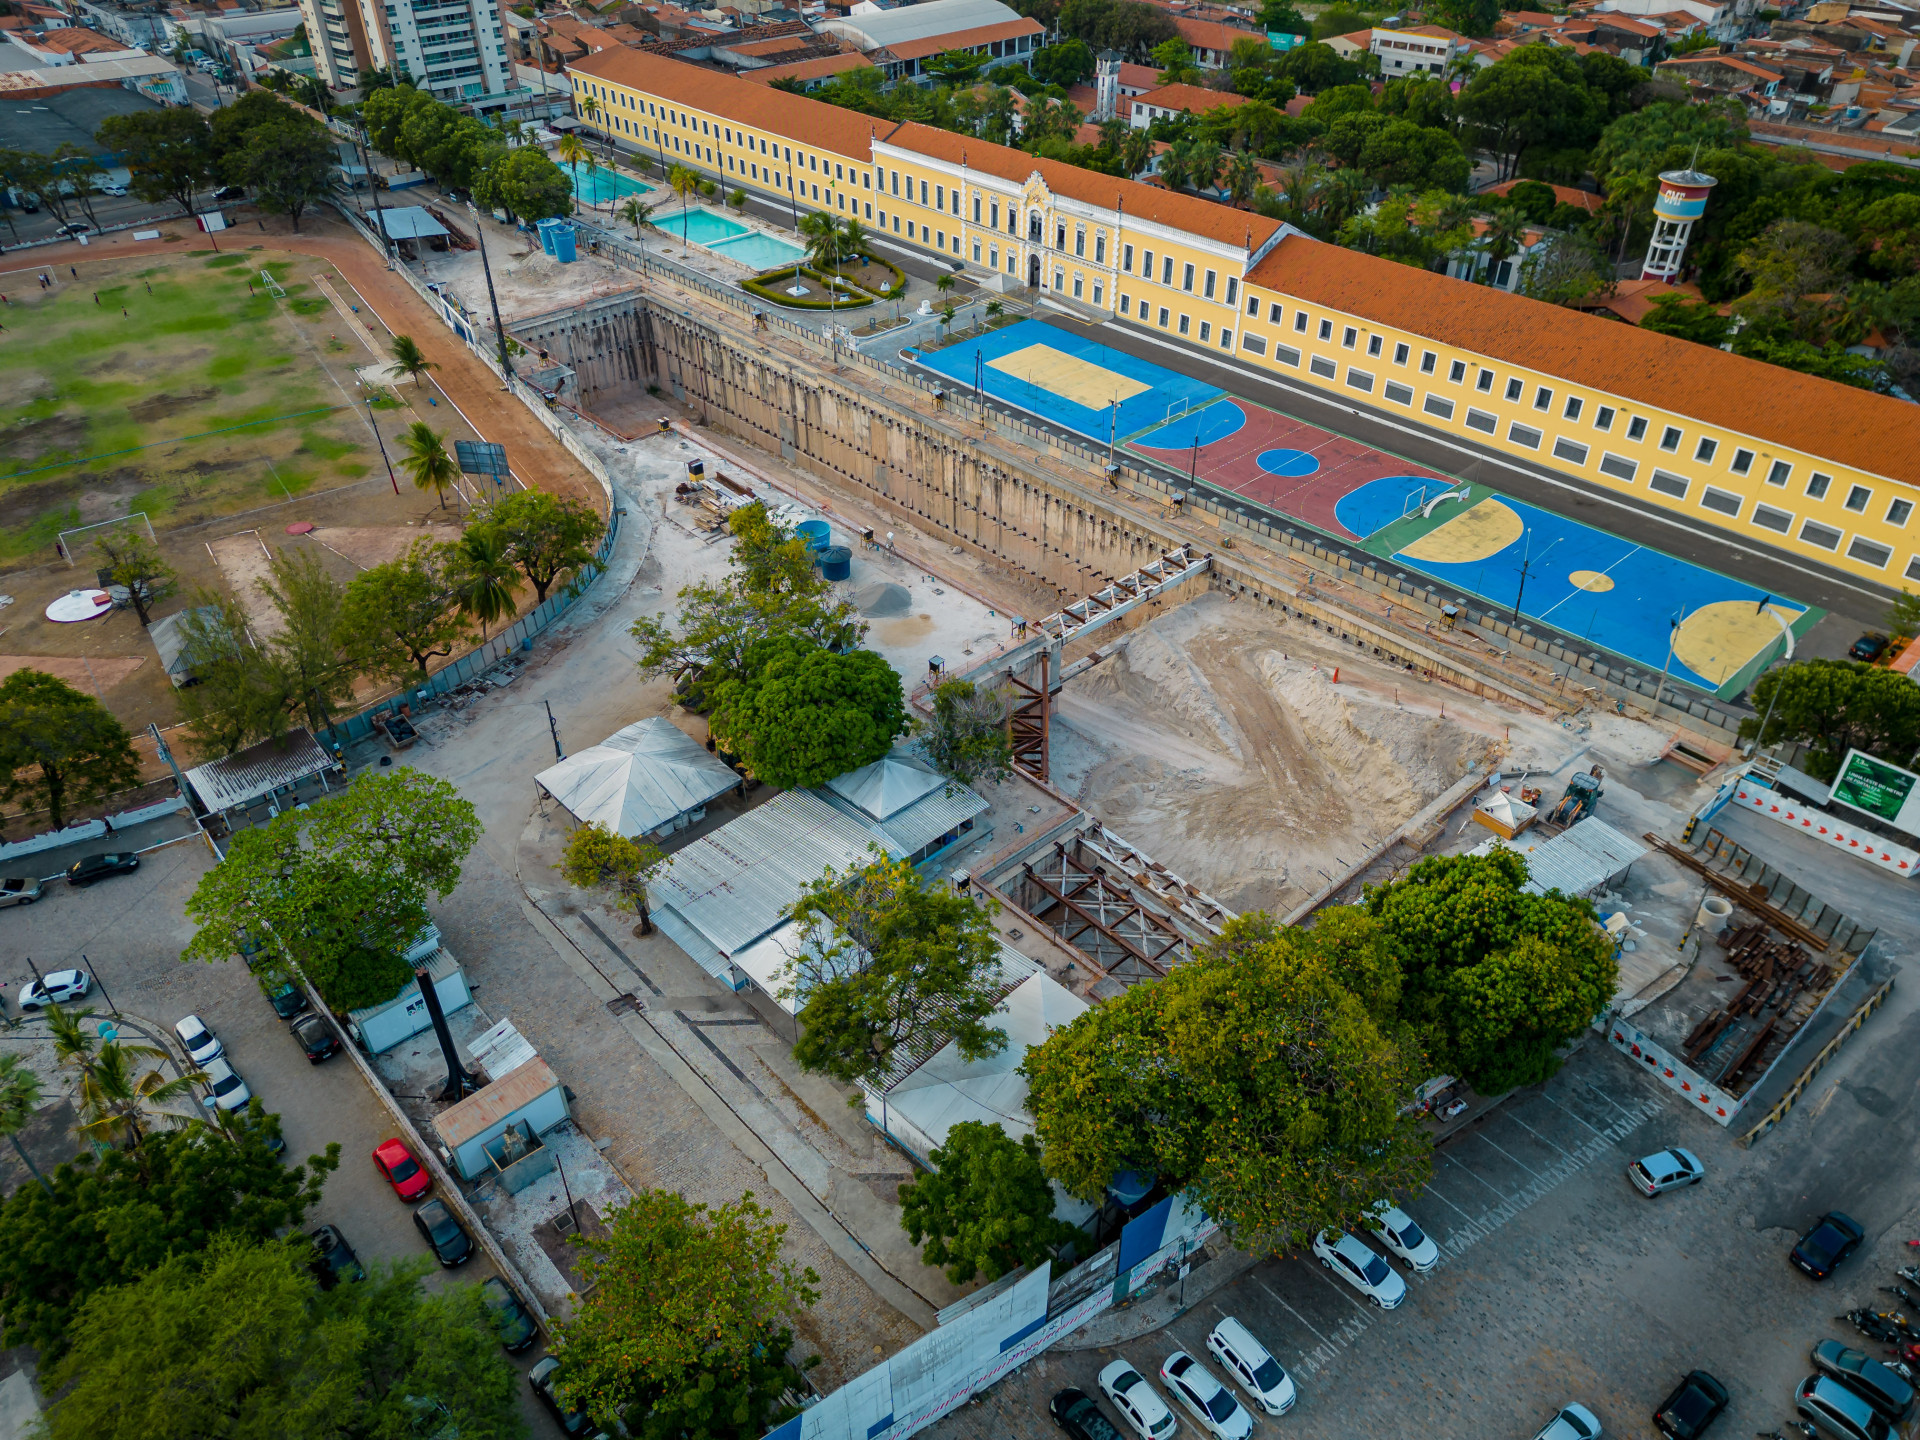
373 188
499 330
387 460
1786 630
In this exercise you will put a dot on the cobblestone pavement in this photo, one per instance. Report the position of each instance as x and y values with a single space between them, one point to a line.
1558 1282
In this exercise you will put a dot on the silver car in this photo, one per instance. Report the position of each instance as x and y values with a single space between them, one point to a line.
1665 1170
229 1090
19 890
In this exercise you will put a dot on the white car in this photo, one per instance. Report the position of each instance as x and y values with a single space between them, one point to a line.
1209 1402
57 988
1354 1263
200 1043
1252 1367
1404 1238
1576 1422
229 1090
1137 1401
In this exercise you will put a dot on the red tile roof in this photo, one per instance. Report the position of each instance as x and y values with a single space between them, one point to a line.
963 39
1854 427
1192 99
807 69
1206 35
1565 194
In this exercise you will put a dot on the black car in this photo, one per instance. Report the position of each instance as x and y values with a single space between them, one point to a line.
573 1420
316 1037
510 1318
443 1232
333 1258
89 868
1833 1237
1694 1405
288 1001
1869 647
229 192
1878 1385
1074 1412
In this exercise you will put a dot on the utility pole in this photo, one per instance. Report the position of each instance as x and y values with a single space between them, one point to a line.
1673 633
554 726
373 186
374 421
1526 569
499 330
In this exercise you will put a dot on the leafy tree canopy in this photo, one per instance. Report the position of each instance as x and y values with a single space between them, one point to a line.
987 1208
103 1222
967 737
59 746
1836 706
682 1326
800 715
1495 978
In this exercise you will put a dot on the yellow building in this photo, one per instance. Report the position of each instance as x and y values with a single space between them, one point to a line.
1809 467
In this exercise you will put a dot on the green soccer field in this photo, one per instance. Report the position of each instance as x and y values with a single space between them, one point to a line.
202 399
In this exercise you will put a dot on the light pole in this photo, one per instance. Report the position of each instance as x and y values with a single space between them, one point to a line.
499 330
373 187
1673 634
1786 631
374 423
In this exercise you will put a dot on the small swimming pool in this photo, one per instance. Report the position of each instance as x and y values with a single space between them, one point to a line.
598 186
729 238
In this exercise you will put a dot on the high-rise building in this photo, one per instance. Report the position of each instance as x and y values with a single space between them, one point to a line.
1681 201
457 49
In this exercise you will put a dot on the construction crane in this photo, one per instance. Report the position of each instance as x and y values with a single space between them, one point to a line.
1580 800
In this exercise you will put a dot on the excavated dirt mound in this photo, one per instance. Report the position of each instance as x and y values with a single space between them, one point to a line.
882 598
1219 741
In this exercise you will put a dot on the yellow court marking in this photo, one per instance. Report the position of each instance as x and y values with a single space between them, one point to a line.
1718 640
1485 530
1090 386
1592 581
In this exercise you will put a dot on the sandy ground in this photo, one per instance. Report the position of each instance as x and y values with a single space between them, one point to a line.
98 676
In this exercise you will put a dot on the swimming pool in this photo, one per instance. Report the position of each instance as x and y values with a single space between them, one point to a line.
762 252
701 227
598 186
729 238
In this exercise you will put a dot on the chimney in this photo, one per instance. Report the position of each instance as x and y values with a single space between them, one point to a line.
459 1082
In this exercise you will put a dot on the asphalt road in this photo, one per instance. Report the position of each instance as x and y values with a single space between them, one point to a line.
128 932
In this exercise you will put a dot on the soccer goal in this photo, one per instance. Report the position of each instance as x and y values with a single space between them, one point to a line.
138 517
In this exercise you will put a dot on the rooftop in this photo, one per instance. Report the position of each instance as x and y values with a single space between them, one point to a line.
814 69
961 39
1873 433
258 770
487 1107
935 17
1191 98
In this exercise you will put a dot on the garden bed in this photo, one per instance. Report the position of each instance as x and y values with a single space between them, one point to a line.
773 285
879 277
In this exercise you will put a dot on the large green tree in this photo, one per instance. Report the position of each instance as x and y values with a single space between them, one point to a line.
239 1341
526 184
398 615
1495 978
547 536
884 964
132 560
987 1207
681 1329
101 1222
1266 1078
800 715
967 737
1836 706
169 152
60 747
289 167
1535 98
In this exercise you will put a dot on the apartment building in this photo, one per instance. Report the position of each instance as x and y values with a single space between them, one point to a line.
1805 466
457 49
1423 49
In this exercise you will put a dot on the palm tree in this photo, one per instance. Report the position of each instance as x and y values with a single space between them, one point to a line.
636 212
590 109
483 577
1135 150
410 360
1113 133
571 153
19 1101
1173 164
826 239
424 457
1505 231
1243 177
854 239
1203 165
683 182
112 1097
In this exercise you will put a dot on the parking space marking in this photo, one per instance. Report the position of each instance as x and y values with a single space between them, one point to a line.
1290 1310
1345 1335
1339 1289
1474 1176
1536 1134
1570 1114
1515 1158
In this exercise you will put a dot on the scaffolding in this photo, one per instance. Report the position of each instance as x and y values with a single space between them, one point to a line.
1071 892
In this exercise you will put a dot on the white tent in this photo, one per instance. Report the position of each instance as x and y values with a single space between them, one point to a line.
650 778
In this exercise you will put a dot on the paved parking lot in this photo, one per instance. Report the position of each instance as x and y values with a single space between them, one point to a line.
130 931
1557 1281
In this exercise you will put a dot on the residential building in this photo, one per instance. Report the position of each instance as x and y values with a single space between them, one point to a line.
901 41
149 29
1717 74
66 45
455 49
1351 46
1422 49
1212 42
1819 471
1171 100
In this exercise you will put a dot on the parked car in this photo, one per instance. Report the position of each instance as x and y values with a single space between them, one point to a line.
443 1232
56 987
118 191
200 1043
1868 647
1206 1399
511 1322
1354 1263
288 1001
407 1175
73 227
18 890
228 1089
316 1037
1665 1170
334 1259
1138 1402
1074 1412
573 1421
1404 1238
229 192
276 1142
1694 1405
89 868
1833 1238
1252 1367
1575 1422
1881 1386
1840 1411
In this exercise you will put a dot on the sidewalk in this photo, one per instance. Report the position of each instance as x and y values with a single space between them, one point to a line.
50 865
1161 1306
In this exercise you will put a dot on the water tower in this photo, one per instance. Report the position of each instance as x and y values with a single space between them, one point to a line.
1681 201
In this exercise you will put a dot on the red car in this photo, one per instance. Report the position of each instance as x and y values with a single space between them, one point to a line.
407 1176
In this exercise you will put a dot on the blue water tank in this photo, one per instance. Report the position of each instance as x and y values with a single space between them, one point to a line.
563 249
814 532
836 562
545 229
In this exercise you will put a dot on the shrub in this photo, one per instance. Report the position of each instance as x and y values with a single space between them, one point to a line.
767 287
738 199
708 189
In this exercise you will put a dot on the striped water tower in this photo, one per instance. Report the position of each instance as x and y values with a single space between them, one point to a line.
1681 201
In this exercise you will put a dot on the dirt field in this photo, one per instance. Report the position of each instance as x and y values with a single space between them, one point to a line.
1218 741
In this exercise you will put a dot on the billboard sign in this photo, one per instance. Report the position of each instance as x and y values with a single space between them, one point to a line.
1883 791
1285 42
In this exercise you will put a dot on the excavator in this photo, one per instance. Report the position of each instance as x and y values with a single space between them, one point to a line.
1580 800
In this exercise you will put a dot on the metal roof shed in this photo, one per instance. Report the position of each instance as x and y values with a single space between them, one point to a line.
1577 861
258 771
649 778
530 1095
917 806
409 222
171 639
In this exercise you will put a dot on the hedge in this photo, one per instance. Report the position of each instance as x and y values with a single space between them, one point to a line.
762 286
899 285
